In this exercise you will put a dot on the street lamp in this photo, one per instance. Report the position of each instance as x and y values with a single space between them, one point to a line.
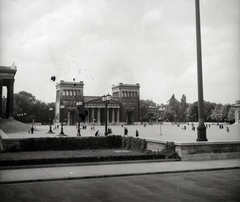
160 122
106 99
62 133
78 128
50 124
161 119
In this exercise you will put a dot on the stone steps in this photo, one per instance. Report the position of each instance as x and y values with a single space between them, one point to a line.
11 126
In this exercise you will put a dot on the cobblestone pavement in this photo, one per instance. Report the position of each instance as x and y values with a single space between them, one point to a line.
194 186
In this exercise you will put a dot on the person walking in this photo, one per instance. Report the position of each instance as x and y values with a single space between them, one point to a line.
137 134
125 131
32 129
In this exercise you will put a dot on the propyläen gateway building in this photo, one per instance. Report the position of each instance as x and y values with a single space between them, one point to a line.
124 106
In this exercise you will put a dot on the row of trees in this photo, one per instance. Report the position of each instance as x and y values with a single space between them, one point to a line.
27 108
182 111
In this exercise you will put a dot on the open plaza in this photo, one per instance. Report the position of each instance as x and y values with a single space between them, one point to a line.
169 132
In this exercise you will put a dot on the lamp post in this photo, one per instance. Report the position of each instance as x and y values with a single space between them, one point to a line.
161 119
160 123
202 135
78 128
62 133
50 120
106 99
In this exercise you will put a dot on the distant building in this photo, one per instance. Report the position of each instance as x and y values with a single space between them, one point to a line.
124 106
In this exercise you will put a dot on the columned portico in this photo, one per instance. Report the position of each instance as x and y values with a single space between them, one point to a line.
96 109
7 79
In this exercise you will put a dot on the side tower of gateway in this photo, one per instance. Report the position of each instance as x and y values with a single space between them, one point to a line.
129 100
124 107
68 94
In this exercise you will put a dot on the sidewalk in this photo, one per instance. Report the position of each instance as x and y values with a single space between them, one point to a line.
111 170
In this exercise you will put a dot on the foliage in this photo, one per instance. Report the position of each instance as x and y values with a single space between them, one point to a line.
27 108
208 109
169 151
136 144
231 115
172 109
144 105
70 143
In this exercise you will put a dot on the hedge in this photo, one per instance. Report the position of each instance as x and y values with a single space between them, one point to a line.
84 143
70 143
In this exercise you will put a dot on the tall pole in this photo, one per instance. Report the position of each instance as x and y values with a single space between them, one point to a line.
50 122
106 118
201 127
61 115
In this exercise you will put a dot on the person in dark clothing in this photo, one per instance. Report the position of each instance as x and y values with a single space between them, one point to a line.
137 134
125 131
32 129
96 134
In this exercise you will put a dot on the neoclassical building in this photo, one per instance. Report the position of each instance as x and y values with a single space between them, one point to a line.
124 106
7 79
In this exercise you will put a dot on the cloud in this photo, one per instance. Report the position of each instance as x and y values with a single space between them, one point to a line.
106 42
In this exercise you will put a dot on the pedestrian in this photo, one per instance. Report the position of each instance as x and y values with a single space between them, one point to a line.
227 129
125 131
137 134
32 129
96 134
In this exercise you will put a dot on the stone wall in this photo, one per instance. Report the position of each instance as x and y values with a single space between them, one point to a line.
201 150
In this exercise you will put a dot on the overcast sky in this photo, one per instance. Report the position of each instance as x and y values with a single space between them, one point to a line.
102 43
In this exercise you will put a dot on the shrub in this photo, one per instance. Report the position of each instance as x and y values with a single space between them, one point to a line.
169 151
136 144
70 143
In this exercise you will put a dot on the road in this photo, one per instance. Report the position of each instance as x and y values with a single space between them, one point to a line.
192 186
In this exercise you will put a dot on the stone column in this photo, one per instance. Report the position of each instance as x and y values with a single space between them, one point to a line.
126 117
117 115
92 115
1 85
113 115
9 112
87 117
98 117
107 115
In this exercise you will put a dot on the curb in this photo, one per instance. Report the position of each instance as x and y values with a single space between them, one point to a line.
87 164
118 175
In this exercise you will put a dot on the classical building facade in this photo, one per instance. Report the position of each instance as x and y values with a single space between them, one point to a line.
7 79
124 106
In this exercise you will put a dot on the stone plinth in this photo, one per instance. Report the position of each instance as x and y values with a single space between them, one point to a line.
201 150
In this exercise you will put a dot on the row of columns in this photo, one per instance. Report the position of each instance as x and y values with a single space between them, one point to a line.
9 110
91 118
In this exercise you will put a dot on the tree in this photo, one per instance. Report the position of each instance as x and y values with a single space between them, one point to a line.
193 112
26 108
172 109
231 115
183 108
144 105
224 112
216 116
